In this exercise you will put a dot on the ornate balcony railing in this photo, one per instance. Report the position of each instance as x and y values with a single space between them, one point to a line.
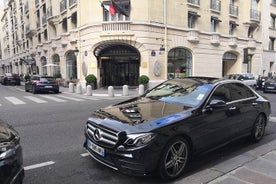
255 15
63 5
116 26
196 2
216 5
233 10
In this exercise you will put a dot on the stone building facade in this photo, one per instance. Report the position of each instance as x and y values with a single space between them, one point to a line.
120 40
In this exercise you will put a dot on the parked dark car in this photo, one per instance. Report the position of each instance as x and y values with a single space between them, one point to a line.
270 85
42 84
11 170
160 130
261 81
10 78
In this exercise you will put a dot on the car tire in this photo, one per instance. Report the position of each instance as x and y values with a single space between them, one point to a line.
174 158
34 90
26 90
258 129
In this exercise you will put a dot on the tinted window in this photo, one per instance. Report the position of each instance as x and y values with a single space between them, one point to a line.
222 93
240 91
45 79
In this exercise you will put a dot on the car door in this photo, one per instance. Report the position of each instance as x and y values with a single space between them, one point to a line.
215 124
247 105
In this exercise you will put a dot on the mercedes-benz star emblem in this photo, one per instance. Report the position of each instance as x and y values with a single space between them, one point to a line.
97 135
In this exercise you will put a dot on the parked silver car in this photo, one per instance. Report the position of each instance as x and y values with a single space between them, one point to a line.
247 78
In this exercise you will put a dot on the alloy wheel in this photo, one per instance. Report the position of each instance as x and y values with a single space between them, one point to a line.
259 128
176 158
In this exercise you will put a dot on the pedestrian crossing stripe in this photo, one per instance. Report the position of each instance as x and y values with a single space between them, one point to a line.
15 100
35 99
71 98
53 98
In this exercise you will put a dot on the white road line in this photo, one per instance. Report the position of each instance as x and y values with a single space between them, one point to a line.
53 98
71 98
84 154
34 99
15 100
38 165
272 119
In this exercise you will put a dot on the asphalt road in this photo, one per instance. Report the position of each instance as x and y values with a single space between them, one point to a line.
51 131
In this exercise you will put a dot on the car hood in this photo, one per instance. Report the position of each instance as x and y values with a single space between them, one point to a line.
6 133
142 112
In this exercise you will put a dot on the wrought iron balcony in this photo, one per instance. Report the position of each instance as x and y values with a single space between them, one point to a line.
216 5
255 15
71 2
63 5
195 2
233 10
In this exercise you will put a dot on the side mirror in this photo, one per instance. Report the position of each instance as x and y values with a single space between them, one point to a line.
215 103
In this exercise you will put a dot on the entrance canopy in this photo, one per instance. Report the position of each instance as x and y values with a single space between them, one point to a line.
109 47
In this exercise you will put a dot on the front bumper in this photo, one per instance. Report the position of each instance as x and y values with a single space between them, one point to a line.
11 169
139 161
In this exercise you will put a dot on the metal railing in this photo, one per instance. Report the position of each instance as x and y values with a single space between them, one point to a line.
196 2
255 15
216 5
63 5
233 10
71 2
49 12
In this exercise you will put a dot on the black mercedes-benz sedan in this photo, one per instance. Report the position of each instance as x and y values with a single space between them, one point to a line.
160 130
11 169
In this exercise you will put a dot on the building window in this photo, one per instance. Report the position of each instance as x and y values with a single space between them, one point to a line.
272 21
192 17
214 23
232 27
179 63
119 11
271 43
250 32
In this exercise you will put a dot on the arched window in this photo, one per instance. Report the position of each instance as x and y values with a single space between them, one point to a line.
179 63
71 65
56 68
43 63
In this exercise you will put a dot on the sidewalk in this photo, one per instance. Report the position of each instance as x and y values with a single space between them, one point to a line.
257 166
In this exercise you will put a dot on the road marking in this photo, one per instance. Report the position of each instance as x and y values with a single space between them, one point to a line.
34 99
272 119
15 100
35 166
53 98
84 154
71 98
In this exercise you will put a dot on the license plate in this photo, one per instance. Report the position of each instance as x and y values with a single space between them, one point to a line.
97 149
48 86
270 87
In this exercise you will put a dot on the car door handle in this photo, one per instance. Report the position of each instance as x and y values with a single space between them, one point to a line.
254 103
233 108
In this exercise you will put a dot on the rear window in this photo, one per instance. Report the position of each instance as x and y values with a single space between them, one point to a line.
44 79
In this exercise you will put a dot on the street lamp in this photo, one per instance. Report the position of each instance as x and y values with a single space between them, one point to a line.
76 51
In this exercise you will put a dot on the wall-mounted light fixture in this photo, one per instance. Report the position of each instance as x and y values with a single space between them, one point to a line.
76 51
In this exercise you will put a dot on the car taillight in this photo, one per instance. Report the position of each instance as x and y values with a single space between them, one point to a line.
37 82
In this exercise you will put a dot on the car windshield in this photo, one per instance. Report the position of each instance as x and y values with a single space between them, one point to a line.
189 92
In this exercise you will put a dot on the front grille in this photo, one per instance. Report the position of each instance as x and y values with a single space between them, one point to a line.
103 136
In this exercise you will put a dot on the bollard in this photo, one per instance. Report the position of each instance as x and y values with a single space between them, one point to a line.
71 87
89 90
110 91
78 88
141 89
125 90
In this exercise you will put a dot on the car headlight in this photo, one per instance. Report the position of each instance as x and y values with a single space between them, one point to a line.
7 150
139 139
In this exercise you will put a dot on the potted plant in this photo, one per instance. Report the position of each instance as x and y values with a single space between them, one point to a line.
143 79
91 80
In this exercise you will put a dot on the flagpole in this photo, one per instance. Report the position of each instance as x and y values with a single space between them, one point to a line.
165 39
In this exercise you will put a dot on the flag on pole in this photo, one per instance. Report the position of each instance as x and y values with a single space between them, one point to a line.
119 8
109 8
